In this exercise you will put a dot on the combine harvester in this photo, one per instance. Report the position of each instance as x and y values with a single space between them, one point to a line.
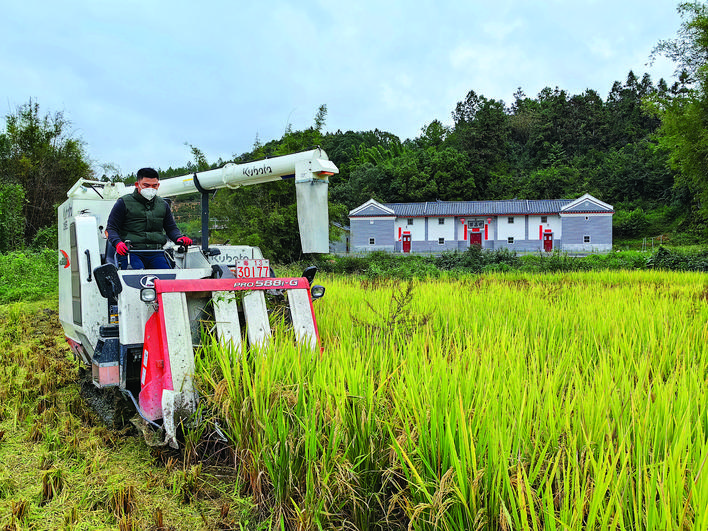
137 330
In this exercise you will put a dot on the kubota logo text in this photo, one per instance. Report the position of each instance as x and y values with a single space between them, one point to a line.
253 171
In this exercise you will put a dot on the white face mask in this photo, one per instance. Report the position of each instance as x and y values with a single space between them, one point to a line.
148 193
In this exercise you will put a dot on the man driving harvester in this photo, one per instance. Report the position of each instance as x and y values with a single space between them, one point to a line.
138 222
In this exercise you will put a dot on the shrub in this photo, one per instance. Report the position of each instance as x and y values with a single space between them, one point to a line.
474 260
616 260
28 276
555 262
678 261
12 223
504 257
46 238
630 224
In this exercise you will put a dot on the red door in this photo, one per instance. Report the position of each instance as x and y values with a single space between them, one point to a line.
406 239
476 239
548 242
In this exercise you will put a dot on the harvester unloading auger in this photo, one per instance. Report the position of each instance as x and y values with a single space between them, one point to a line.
136 329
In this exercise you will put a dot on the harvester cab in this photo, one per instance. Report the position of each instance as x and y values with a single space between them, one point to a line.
137 329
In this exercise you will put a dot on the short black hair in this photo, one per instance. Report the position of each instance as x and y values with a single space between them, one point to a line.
147 172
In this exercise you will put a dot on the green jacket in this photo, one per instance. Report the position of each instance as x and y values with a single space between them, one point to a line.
142 222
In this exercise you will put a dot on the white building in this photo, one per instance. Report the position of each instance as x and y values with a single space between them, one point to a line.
580 225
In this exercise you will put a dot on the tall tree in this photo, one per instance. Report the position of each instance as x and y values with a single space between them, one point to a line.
38 153
629 121
450 170
689 49
266 215
433 135
482 132
684 110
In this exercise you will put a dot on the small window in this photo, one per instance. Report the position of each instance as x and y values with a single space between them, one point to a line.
544 219
371 222
510 239
441 241
586 239
510 220
441 221
372 241
410 221
586 218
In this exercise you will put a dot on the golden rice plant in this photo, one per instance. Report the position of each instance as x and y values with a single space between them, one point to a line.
505 401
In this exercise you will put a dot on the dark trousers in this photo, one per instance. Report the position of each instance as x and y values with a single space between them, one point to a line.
144 260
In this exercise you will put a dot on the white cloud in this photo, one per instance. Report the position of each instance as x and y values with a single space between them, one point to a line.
502 30
602 48
140 78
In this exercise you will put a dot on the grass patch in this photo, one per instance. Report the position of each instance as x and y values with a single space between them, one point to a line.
28 276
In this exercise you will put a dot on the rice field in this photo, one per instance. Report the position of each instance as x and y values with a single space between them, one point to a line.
505 401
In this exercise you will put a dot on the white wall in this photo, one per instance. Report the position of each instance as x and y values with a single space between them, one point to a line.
553 223
417 230
516 230
436 231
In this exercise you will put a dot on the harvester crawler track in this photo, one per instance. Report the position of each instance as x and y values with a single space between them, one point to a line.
108 404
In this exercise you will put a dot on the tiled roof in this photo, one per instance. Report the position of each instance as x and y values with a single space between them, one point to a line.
478 208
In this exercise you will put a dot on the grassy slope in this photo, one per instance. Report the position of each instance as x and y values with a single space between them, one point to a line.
60 468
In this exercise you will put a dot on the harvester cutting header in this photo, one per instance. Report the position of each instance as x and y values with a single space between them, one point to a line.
137 329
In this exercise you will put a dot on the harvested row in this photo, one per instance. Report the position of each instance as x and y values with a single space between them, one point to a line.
61 468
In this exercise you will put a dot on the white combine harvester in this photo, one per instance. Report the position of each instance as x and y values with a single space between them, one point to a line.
137 329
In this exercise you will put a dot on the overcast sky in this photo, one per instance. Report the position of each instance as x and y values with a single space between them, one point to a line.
138 79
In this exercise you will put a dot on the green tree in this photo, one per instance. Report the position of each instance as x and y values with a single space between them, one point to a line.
689 50
12 199
551 137
320 118
39 154
433 135
266 215
523 119
630 224
628 119
410 180
684 109
450 170
345 150
482 132
588 119
555 182
505 186
637 171
366 181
